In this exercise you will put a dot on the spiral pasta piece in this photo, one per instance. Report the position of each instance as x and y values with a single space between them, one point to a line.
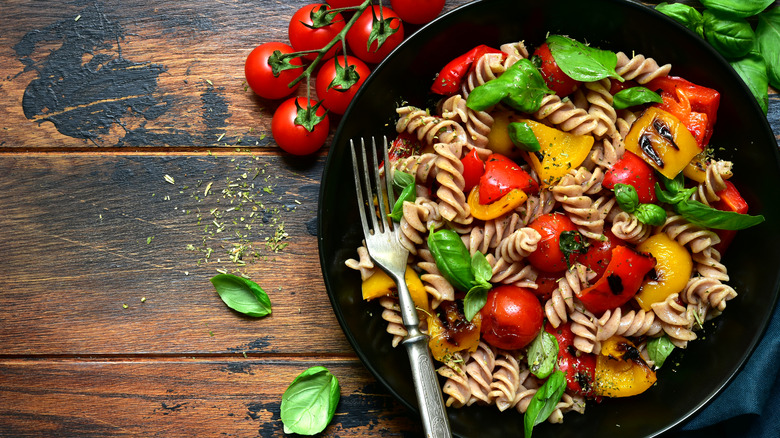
424 126
518 245
696 238
488 236
479 368
676 320
418 217
600 100
566 116
562 300
456 385
585 328
392 314
639 68
632 323
506 377
715 175
488 67
422 167
364 264
627 227
478 123
437 287
449 175
709 291
516 273
514 52
571 193
537 205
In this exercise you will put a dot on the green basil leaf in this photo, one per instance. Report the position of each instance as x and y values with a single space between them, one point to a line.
543 354
731 37
626 197
581 62
242 295
705 216
768 38
409 194
687 15
452 258
523 137
402 179
481 268
737 8
521 86
544 401
675 185
634 96
753 70
651 214
571 242
310 401
474 300
659 349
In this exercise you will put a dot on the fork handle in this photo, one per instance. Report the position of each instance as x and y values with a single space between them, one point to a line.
426 384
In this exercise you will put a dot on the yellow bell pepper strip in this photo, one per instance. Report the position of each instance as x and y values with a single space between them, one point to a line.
620 372
697 168
673 269
498 138
559 152
505 204
451 332
380 284
662 141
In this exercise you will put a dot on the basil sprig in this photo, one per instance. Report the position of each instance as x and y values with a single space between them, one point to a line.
628 201
544 401
523 137
582 62
464 272
405 183
731 37
242 295
635 96
570 242
737 8
698 213
310 401
543 354
659 349
521 87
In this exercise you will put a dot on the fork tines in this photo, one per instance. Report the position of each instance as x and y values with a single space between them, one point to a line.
378 178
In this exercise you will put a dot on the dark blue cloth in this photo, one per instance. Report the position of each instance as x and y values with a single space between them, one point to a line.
750 405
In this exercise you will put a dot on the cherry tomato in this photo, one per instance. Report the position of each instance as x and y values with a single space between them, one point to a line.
548 256
417 11
511 317
344 3
260 76
390 25
336 84
296 139
599 253
473 168
579 367
546 283
555 78
305 37
501 176
634 171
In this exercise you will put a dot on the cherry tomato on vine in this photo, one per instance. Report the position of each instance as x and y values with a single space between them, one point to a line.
338 81
369 30
260 76
511 317
555 78
312 28
548 256
344 3
417 11
294 138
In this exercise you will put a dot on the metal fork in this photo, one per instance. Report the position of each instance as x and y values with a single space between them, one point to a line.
386 251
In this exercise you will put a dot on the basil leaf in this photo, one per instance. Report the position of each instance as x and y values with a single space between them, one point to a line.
474 301
659 349
752 69
571 242
737 8
581 62
543 354
521 86
481 268
651 214
402 179
687 15
409 194
675 185
768 39
634 96
310 401
626 197
544 401
731 37
705 216
452 258
242 295
523 137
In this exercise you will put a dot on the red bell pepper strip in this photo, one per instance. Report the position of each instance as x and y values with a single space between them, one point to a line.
501 176
450 77
620 282
473 168
696 106
632 170
579 367
730 200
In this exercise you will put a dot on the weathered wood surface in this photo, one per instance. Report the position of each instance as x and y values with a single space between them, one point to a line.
126 134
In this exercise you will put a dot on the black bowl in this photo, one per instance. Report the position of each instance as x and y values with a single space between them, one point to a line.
742 134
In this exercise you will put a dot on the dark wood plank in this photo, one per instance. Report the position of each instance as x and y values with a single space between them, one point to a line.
182 398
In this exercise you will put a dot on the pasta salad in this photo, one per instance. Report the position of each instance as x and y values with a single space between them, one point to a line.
565 220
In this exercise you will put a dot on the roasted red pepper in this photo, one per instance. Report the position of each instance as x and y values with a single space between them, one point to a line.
696 106
450 77
579 367
473 168
634 171
501 176
621 281
730 200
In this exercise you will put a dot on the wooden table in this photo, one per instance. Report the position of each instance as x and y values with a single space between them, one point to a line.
127 137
